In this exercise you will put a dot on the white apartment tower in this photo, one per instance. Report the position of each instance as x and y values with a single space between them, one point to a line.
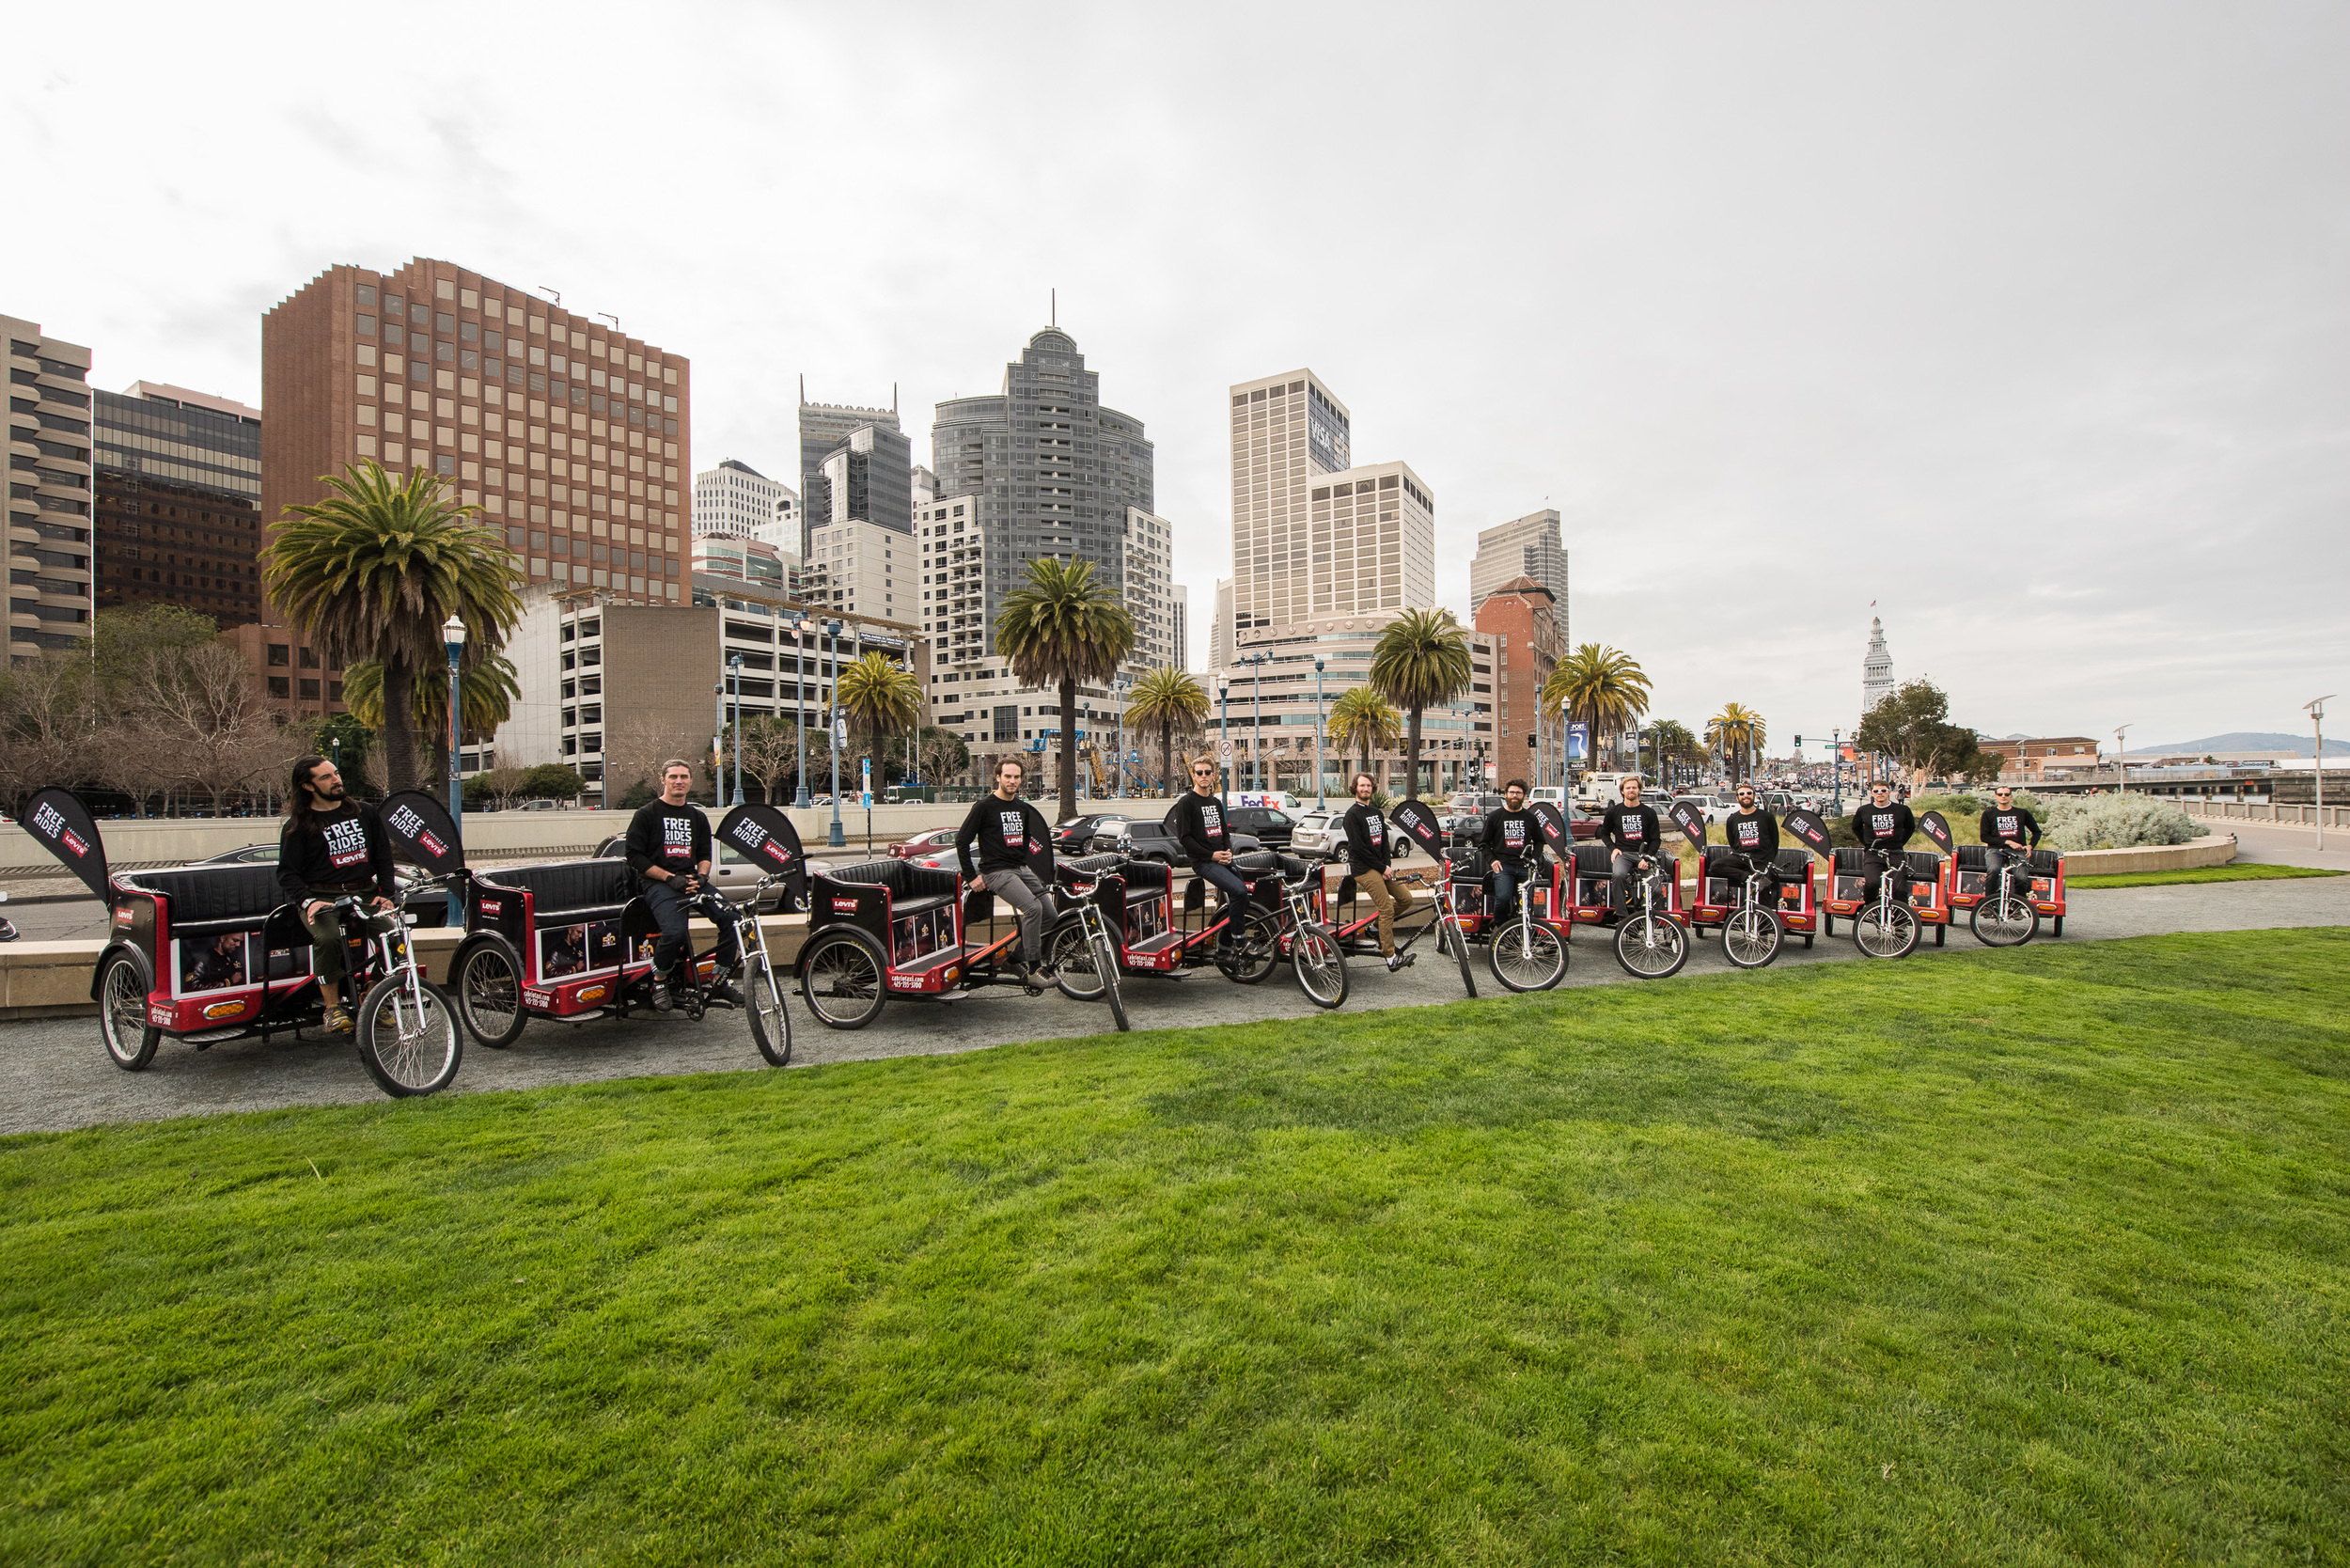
1179 608
1288 433
736 500
1220 627
1148 562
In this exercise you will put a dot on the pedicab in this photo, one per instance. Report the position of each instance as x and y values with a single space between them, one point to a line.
881 928
1971 885
1525 953
1715 894
571 940
1848 875
1137 907
204 955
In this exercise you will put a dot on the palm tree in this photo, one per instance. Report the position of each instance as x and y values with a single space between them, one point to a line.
1603 686
1673 742
879 696
1060 629
1422 660
1362 721
1737 732
374 570
485 700
1173 701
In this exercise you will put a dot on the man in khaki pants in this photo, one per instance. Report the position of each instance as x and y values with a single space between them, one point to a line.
1368 855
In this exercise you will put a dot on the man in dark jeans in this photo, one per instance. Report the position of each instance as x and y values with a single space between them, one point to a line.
1199 827
669 845
1883 829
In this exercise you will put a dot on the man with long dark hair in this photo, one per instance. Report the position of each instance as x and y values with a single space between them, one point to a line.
330 848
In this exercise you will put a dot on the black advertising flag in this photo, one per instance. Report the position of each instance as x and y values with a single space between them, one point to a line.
766 839
1686 817
1807 826
1415 818
1556 835
420 832
63 826
1938 830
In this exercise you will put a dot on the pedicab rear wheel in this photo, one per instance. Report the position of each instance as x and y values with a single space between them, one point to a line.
122 1014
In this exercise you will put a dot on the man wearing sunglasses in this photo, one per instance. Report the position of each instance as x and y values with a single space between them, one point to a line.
1753 832
1883 829
2007 831
1205 837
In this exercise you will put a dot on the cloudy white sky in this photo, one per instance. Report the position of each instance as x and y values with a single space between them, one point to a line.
2030 323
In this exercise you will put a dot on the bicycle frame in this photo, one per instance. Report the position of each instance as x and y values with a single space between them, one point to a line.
1350 934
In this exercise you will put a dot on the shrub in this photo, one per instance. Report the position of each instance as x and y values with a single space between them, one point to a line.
2114 822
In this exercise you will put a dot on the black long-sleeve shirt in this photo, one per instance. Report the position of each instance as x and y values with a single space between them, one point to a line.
1889 828
1754 832
2002 822
1200 826
1367 848
349 846
1512 835
1001 830
1631 830
674 837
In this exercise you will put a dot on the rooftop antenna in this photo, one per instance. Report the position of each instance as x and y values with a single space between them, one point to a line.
557 293
803 387
1056 317
893 397
609 317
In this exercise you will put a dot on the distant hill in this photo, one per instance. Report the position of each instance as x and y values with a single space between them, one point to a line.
2246 739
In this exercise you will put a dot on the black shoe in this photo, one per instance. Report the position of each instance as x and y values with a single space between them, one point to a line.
1400 961
724 995
660 994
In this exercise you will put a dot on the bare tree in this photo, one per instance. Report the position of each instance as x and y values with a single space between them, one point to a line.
133 757
635 746
47 726
209 715
770 754
942 754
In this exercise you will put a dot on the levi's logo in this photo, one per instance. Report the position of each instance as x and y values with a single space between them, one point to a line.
1881 822
71 841
432 845
844 907
491 906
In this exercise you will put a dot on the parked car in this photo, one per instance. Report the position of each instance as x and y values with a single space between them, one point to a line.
1144 840
729 872
924 843
424 905
1269 826
536 805
1071 836
1317 833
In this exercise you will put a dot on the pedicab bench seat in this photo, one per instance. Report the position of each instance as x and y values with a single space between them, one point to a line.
1257 863
213 899
576 890
912 889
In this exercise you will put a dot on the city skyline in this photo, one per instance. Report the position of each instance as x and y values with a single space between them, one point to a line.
1772 292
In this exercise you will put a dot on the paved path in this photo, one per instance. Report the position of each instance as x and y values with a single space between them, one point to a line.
54 1073
2288 845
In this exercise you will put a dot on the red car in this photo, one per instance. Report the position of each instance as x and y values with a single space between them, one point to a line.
924 843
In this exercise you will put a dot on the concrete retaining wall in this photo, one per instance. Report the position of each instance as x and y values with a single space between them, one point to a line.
2211 850
2255 811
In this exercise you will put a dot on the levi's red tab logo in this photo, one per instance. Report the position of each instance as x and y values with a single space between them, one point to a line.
1749 833
1014 827
1633 828
345 843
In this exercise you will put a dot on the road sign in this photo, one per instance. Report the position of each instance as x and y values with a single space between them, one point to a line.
1224 748
865 783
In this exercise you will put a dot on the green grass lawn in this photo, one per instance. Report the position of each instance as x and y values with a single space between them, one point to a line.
2034 1257
2250 870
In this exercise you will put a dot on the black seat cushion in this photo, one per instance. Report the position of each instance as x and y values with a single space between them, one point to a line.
1924 865
1971 857
566 887
1720 857
1794 861
2046 861
215 893
1091 865
905 880
1850 862
1594 860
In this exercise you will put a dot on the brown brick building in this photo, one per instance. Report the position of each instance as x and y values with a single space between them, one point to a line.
1525 615
568 434
291 671
2044 757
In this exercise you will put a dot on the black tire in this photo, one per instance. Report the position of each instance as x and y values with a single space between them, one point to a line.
1448 935
1075 968
403 1053
122 1014
1105 961
1898 938
489 995
1256 950
1807 941
770 1021
1751 938
2003 922
1320 966
841 978
1651 946
2056 929
1527 957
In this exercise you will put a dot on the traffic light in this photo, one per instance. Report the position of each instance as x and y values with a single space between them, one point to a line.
1799 740
1529 742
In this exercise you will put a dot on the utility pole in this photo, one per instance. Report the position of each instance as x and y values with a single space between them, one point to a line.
2317 717
1321 784
2120 767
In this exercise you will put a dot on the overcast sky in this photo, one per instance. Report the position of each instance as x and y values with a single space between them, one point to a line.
2029 322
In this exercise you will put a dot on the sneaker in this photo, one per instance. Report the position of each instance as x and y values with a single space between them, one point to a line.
660 994
1400 961
337 1021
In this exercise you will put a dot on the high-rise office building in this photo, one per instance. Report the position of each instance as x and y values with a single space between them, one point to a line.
736 500
179 515
48 490
1288 431
882 476
1055 474
1145 568
1374 544
1527 546
570 436
1180 610
1220 627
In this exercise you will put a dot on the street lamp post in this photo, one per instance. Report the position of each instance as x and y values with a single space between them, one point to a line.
2120 767
2317 718
799 704
1321 782
453 638
1224 731
734 667
835 838
1255 720
1117 757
